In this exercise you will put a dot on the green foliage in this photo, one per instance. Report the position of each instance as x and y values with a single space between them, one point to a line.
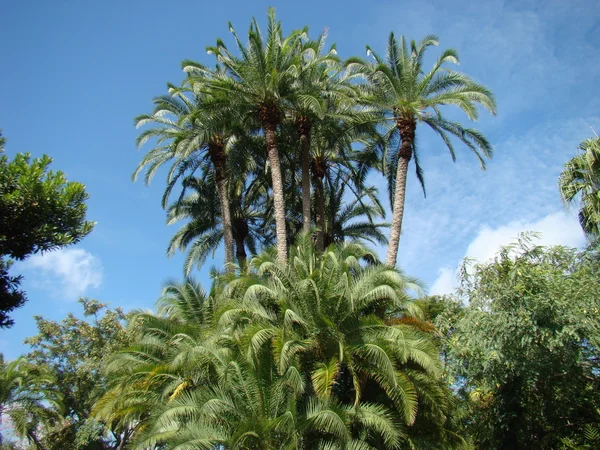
524 352
28 397
39 211
283 356
73 351
581 178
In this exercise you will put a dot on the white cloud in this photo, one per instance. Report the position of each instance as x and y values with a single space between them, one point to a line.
555 229
67 273
445 282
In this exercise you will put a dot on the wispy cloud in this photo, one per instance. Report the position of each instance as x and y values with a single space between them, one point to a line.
65 273
555 229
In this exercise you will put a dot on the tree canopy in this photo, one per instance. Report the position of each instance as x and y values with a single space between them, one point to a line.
39 211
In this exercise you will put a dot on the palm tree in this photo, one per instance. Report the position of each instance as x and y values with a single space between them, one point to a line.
325 314
581 175
406 95
28 398
170 355
317 81
257 88
354 219
189 136
202 233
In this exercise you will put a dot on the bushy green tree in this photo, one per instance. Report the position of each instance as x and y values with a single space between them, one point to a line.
39 211
73 353
524 353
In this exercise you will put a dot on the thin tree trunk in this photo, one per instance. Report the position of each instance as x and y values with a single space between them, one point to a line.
303 125
240 233
318 175
218 159
226 219
278 198
240 252
35 440
407 136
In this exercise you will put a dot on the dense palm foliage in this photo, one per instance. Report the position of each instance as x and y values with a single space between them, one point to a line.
581 177
299 355
28 399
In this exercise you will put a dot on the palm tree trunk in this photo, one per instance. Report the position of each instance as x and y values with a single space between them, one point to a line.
278 198
318 175
240 252
240 233
303 125
218 158
407 136
36 441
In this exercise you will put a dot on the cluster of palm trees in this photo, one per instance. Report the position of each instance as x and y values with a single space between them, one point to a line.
266 138
326 352
310 343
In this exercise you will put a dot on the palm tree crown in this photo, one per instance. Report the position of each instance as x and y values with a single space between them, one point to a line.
581 176
405 95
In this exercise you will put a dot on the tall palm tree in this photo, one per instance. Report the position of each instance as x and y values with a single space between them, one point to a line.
317 81
406 95
188 136
581 176
257 87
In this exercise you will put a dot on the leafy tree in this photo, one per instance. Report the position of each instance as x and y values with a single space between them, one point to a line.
39 211
581 177
405 95
73 352
524 352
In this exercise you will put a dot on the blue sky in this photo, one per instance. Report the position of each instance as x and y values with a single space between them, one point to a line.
75 74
